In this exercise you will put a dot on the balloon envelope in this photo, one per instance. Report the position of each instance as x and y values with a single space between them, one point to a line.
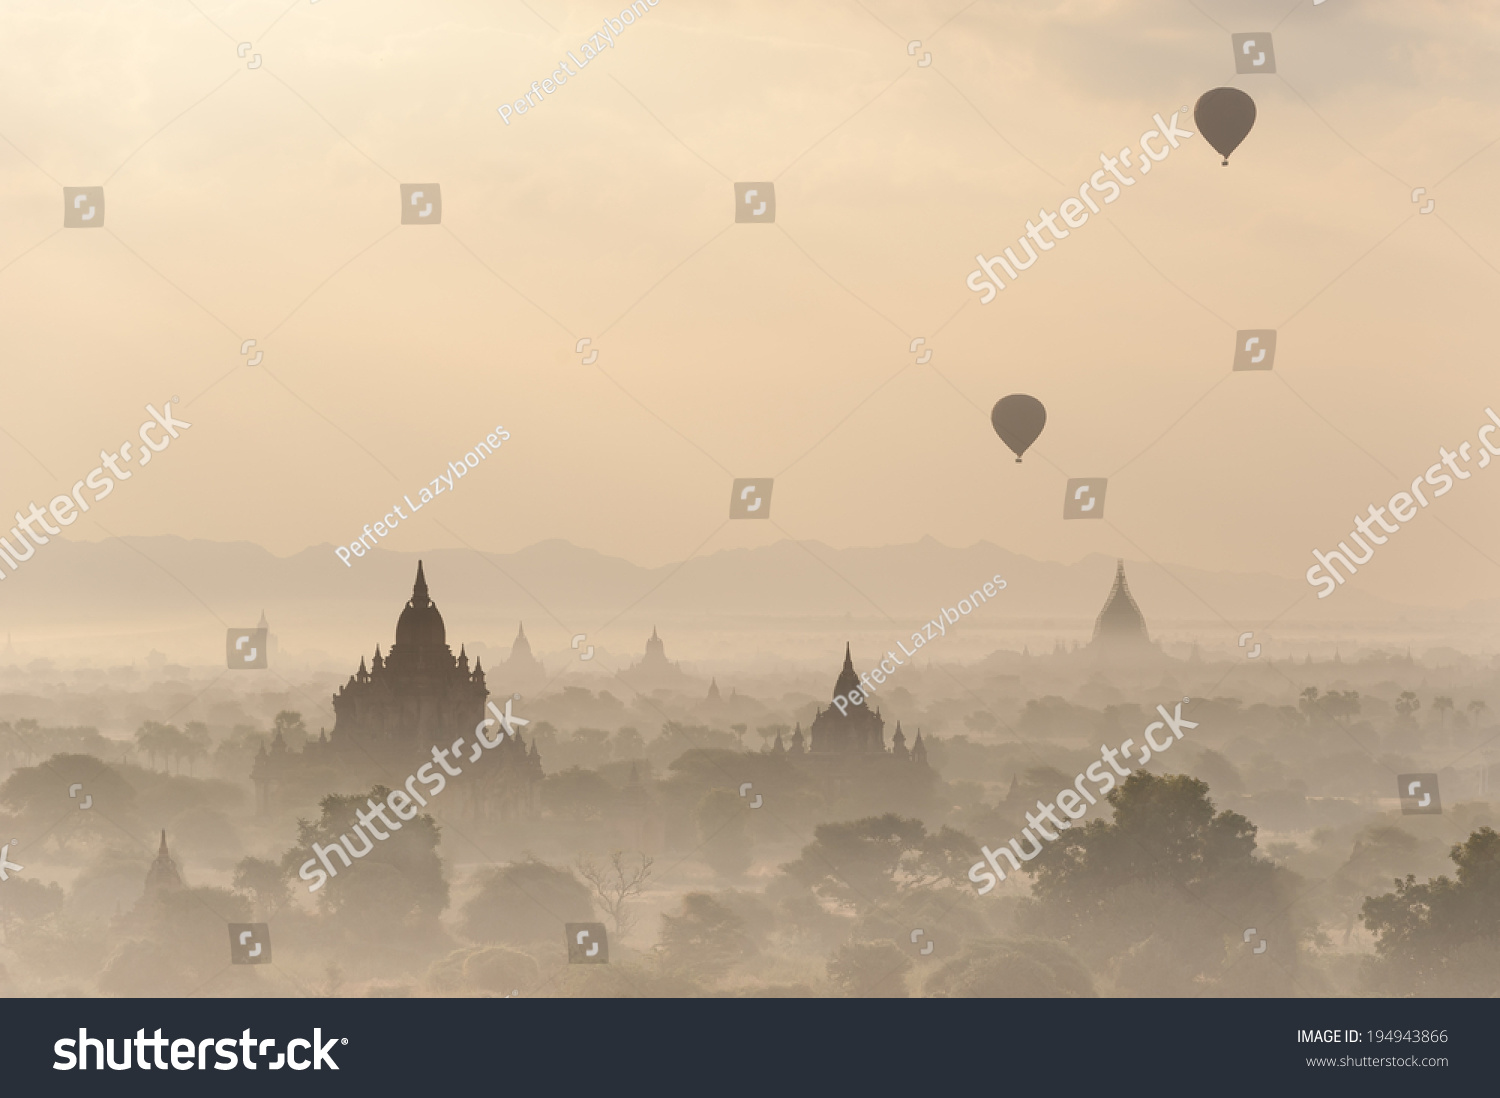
1018 419
1224 116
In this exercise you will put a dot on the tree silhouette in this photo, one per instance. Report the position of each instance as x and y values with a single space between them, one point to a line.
863 863
45 801
525 902
26 900
1029 968
617 884
1164 890
577 793
194 743
157 739
290 725
871 970
1442 937
405 864
704 940
769 732
1333 706
265 881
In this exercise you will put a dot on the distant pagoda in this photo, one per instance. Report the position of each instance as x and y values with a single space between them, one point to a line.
522 671
656 672
1120 626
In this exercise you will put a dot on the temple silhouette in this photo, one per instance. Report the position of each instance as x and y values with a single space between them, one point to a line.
419 695
162 878
656 672
522 672
388 718
1120 628
846 750
859 729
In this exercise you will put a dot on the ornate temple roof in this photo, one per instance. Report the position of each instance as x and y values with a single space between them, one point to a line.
163 875
1121 618
847 679
420 624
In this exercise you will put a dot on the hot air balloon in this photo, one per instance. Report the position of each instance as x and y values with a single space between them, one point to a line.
1018 419
1224 116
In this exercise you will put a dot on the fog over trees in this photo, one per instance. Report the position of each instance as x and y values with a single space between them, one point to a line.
1268 853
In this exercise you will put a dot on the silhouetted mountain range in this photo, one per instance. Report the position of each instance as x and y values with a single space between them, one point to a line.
141 587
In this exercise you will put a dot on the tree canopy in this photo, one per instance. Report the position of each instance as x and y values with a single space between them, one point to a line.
864 863
1443 936
1164 892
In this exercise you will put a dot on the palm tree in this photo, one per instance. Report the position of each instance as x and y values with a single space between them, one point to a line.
155 739
1442 705
1407 704
289 724
196 742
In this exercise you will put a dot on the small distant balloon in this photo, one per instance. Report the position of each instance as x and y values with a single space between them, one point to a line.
1018 419
1224 116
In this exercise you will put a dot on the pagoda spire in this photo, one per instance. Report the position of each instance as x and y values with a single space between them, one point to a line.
847 681
419 597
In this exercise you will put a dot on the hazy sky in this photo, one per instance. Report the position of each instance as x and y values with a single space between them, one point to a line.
264 203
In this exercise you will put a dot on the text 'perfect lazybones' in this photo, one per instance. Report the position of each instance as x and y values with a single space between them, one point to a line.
441 483
591 48
946 616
